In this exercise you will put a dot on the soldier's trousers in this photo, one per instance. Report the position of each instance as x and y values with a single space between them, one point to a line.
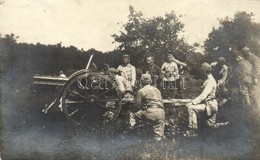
244 89
254 93
193 110
154 115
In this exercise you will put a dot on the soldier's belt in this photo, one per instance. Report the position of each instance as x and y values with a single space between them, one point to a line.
152 106
211 99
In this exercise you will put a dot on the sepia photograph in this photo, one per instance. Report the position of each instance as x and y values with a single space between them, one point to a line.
129 79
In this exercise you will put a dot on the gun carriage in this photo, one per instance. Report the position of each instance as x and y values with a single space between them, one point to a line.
91 99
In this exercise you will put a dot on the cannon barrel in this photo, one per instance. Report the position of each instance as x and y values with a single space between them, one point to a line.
49 81
175 102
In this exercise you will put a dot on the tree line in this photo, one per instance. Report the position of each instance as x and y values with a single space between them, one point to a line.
157 36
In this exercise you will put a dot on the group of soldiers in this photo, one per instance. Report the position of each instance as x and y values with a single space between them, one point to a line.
149 99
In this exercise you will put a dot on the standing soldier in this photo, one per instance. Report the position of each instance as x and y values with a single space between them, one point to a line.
170 71
220 72
244 78
149 101
255 64
152 69
127 70
204 102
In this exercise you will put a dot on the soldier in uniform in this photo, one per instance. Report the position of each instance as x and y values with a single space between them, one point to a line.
171 74
204 102
152 69
127 70
123 85
255 88
220 72
244 79
149 101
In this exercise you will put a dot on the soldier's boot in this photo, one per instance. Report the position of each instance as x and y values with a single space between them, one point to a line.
132 121
191 133
222 102
217 125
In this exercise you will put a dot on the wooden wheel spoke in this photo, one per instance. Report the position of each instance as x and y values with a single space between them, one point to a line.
101 105
107 91
108 99
92 108
77 94
74 112
73 102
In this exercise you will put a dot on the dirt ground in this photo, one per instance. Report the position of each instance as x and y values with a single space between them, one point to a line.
27 133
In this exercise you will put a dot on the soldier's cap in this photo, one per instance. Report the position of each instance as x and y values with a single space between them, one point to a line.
112 70
146 78
245 49
221 59
206 67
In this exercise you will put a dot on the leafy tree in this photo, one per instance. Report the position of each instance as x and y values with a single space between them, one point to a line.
7 49
233 33
157 36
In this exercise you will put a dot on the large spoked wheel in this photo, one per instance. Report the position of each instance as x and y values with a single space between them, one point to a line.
92 101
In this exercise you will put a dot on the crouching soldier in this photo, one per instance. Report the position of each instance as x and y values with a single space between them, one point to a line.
205 102
149 101
123 85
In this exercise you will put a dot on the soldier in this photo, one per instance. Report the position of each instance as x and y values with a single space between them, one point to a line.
149 101
255 62
204 102
220 72
128 70
244 78
152 69
123 85
170 71
254 89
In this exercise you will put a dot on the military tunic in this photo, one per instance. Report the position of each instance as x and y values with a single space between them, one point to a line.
129 72
204 102
245 81
149 100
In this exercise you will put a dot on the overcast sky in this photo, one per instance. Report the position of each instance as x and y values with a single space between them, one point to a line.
90 23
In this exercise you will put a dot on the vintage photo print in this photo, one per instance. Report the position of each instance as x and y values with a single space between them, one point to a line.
129 79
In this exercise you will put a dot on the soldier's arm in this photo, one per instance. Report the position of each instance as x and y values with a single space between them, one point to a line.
176 70
179 62
119 68
203 95
224 76
213 64
163 68
133 76
256 69
138 100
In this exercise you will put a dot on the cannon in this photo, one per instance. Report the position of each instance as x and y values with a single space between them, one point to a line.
91 100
